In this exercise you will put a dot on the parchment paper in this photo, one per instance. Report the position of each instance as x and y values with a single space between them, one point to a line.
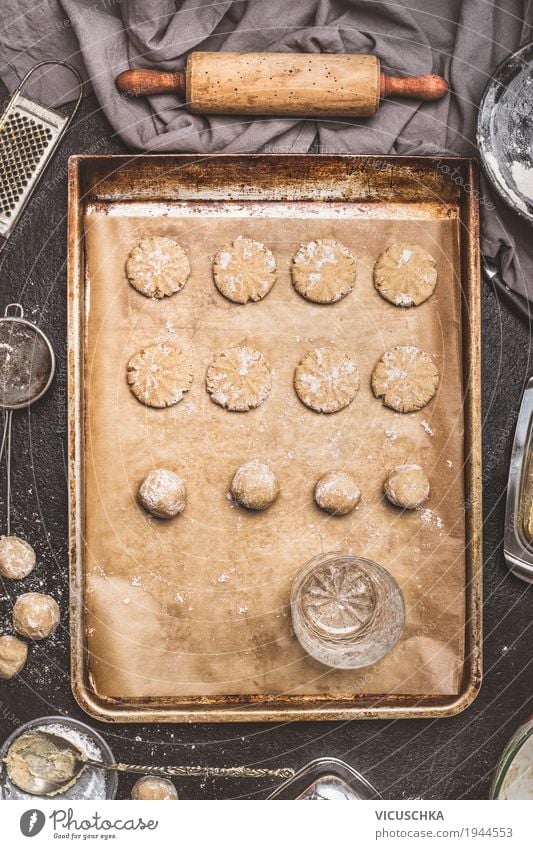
199 605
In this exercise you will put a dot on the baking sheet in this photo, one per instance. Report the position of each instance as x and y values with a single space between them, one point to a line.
198 606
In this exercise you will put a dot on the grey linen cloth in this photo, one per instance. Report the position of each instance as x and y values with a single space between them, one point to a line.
464 40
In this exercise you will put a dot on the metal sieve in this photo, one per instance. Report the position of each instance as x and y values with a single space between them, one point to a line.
27 366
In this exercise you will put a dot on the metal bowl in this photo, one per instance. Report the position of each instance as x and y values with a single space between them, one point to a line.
505 130
93 784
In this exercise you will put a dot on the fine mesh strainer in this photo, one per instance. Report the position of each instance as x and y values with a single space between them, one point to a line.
27 366
29 135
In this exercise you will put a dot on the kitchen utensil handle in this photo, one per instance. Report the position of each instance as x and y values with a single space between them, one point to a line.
197 771
142 82
517 303
11 311
425 87
5 448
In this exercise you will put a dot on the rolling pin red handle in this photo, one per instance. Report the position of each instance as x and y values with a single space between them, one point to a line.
426 87
142 82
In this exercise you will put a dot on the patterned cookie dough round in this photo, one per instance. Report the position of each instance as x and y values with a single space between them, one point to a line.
323 271
152 787
158 267
163 494
407 486
35 615
244 270
13 655
159 375
239 379
405 378
255 485
337 493
405 275
326 380
17 558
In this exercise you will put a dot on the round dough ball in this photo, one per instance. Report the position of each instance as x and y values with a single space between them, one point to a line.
244 270
159 375
255 485
158 267
405 275
13 654
239 379
163 493
323 271
405 378
35 615
337 493
153 787
326 380
17 558
407 486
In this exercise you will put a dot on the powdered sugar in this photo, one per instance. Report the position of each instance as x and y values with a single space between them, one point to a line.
429 517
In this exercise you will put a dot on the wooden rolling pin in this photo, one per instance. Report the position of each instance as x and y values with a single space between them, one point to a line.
313 84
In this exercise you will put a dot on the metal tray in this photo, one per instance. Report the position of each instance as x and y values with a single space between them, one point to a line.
449 183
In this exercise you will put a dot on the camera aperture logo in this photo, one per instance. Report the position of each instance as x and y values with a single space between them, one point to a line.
32 822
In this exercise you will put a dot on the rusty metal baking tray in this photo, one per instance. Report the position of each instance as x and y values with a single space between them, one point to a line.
444 186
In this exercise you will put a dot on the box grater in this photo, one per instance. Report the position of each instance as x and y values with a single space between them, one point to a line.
29 135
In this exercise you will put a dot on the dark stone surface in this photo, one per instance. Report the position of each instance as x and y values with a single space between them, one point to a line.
450 758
